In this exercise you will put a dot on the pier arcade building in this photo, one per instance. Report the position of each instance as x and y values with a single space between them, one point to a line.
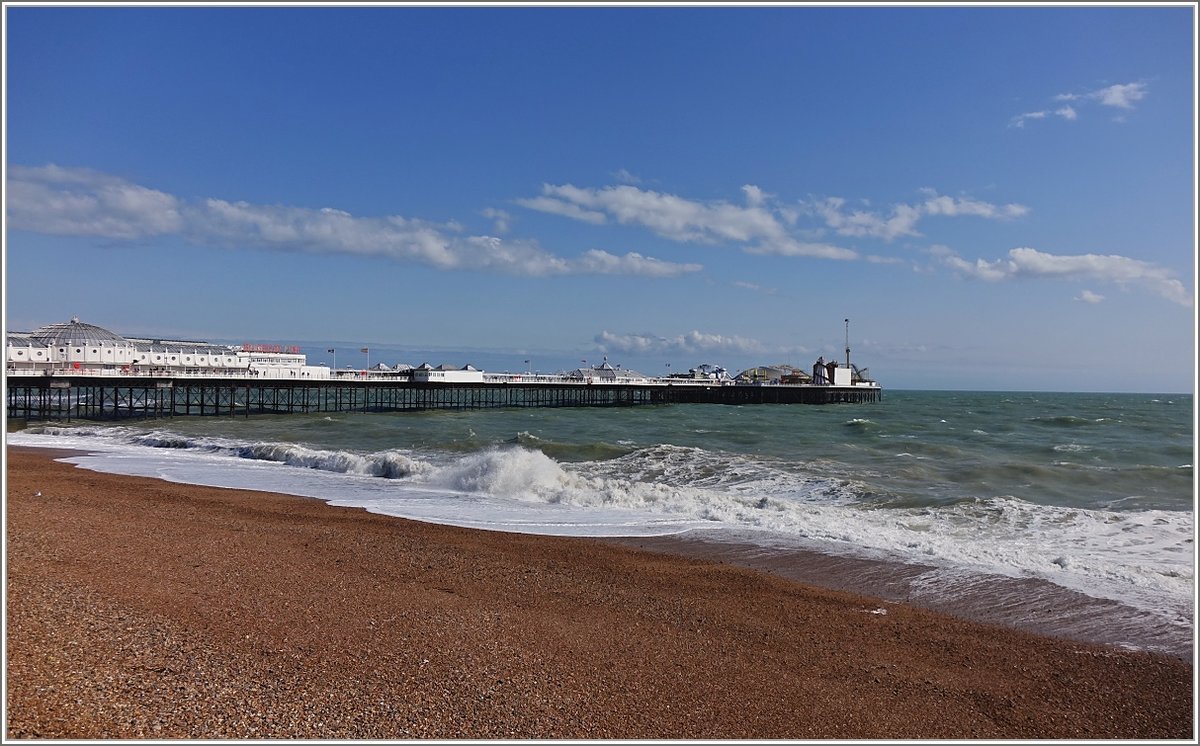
78 348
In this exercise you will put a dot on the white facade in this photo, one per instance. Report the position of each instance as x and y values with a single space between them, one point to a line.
445 374
75 348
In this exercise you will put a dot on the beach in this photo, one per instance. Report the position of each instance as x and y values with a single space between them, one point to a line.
139 608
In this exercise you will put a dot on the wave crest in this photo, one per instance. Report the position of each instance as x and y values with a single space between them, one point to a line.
386 464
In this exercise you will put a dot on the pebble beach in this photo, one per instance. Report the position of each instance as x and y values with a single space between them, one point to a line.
139 608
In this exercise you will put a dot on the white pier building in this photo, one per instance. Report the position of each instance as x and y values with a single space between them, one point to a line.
76 348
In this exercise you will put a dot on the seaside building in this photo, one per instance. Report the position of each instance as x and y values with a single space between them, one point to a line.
773 374
704 372
78 348
606 373
425 373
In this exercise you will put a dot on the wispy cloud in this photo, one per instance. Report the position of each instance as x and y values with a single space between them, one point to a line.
81 202
501 220
1067 112
600 262
625 177
1027 263
758 225
754 287
564 209
902 219
1020 119
1087 296
1121 96
690 343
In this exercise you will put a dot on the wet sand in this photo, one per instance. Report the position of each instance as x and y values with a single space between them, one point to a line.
1030 604
139 608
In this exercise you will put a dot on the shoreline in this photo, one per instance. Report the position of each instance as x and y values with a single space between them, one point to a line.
143 608
1029 604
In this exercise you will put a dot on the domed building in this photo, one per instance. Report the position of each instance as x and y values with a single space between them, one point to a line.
73 347
77 344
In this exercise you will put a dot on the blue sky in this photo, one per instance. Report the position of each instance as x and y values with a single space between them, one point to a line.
997 198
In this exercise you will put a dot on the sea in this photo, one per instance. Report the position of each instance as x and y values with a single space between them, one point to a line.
1065 513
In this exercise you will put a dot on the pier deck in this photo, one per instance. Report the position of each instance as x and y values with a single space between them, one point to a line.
106 398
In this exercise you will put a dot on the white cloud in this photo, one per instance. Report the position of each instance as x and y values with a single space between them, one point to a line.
790 247
953 206
756 225
1087 296
1025 263
671 216
501 219
1020 119
81 202
565 209
903 218
901 222
690 343
625 177
596 261
755 197
754 287
333 231
1120 96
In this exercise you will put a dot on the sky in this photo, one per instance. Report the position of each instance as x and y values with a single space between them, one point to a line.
996 198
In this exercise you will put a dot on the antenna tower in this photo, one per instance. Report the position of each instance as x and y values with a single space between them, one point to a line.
847 343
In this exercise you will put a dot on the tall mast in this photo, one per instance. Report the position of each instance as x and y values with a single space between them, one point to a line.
847 343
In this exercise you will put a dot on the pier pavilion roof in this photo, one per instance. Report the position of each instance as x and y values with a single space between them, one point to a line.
770 373
22 339
75 332
604 371
179 345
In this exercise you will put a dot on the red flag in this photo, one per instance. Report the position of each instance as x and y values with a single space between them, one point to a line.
365 349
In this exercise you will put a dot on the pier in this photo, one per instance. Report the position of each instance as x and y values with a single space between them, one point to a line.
66 398
78 371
